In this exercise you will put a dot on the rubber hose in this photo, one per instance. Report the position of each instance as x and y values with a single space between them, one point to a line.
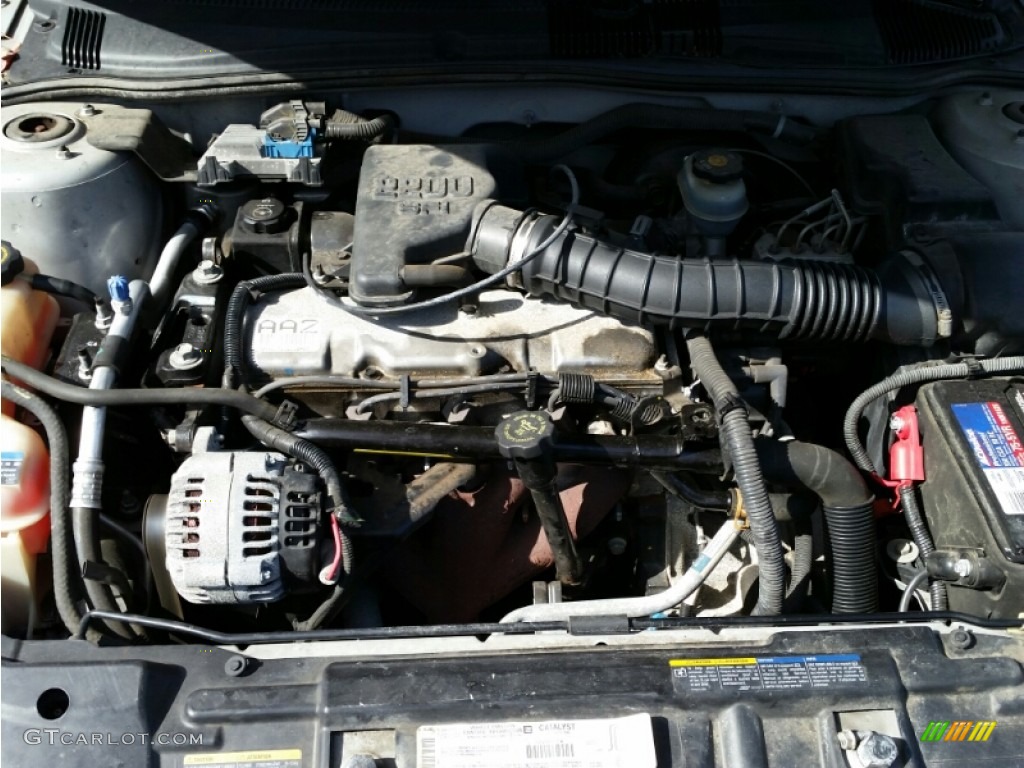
897 381
849 515
356 128
67 587
71 393
234 317
59 287
711 500
792 299
738 444
655 117
908 593
800 570
923 539
85 530
315 457
803 549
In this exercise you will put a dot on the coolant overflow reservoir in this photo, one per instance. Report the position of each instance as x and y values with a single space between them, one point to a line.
27 320
24 521
711 183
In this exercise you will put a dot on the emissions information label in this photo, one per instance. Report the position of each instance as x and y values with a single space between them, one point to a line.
261 758
10 467
997 449
626 742
767 673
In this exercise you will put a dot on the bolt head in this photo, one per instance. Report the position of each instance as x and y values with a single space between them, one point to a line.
88 111
962 567
878 751
236 666
617 546
961 639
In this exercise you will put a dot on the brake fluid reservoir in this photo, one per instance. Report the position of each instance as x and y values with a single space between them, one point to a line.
80 212
24 522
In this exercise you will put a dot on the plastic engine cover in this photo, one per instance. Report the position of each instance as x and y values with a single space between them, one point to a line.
415 204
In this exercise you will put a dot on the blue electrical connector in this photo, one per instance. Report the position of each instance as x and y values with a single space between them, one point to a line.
289 148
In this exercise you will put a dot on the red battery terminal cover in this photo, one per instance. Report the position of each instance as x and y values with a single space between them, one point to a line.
906 457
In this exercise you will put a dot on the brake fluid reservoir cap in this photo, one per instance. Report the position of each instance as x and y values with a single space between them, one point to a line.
717 166
525 435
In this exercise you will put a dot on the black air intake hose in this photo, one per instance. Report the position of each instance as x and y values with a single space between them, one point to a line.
847 504
792 300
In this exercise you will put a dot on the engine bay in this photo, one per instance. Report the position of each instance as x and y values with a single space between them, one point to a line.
320 369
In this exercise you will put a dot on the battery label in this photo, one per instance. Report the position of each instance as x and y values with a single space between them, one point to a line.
11 463
997 448
768 673
623 742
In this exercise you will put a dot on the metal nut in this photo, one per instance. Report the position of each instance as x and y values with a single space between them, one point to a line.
185 357
847 740
208 272
878 750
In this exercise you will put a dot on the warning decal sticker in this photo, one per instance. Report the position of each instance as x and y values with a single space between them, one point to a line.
767 673
997 448
261 758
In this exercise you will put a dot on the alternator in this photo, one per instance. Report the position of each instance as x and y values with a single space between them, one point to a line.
241 527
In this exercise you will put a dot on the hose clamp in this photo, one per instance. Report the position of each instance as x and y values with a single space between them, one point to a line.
519 245
974 368
739 511
728 404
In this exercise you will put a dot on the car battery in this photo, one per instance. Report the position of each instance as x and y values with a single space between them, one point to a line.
973 493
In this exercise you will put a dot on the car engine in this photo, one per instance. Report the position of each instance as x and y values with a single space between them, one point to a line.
327 368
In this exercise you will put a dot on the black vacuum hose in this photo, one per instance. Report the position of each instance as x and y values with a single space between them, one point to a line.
193 396
738 443
797 299
86 533
234 318
847 504
659 117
